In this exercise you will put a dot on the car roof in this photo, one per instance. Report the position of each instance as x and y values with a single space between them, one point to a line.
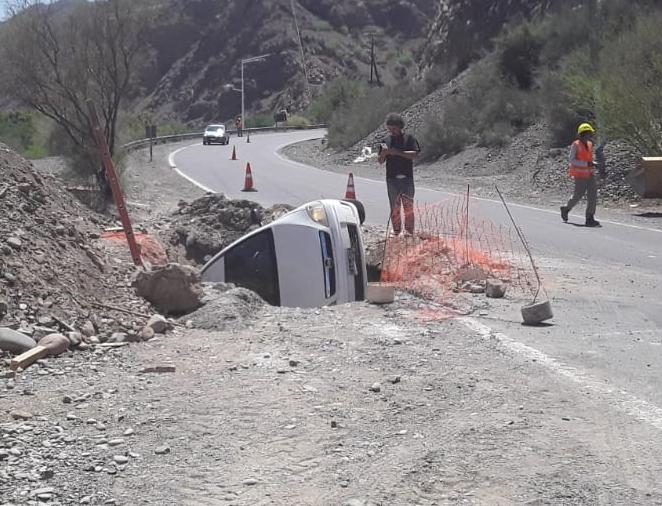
209 127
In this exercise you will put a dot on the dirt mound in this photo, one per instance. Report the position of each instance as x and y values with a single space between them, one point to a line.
224 306
53 266
199 230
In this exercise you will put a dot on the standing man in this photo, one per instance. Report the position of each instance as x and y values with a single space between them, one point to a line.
399 150
582 170
239 124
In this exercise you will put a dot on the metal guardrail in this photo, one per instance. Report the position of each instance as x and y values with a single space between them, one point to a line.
144 143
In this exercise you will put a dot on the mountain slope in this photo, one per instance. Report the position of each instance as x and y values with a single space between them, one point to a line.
198 46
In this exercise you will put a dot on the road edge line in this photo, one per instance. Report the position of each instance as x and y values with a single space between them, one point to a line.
626 402
173 166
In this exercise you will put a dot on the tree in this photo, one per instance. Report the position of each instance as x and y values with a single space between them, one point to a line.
56 56
630 102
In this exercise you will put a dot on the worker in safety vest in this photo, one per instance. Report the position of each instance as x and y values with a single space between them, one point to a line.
582 170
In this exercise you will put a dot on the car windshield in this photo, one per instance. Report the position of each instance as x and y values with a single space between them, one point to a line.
215 128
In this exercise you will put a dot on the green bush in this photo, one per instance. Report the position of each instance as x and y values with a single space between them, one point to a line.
519 56
321 25
334 95
132 127
405 58
297 121
259 121
629 95
365 112
558 109
489 111
449 133
23 132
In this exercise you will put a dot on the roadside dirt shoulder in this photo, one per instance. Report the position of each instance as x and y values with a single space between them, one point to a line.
153 188
355 405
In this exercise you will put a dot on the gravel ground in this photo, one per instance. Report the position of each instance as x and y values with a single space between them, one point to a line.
351 405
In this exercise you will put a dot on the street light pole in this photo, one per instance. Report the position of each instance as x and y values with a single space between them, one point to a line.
243 104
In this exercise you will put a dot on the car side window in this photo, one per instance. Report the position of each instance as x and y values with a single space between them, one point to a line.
252 264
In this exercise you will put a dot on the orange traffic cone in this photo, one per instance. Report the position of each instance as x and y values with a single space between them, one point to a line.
248 182
234 153
350 193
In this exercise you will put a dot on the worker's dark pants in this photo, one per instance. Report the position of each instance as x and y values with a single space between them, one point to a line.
240 132
401 194
585 186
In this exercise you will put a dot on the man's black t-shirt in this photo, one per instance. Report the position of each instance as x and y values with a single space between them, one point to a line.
396 165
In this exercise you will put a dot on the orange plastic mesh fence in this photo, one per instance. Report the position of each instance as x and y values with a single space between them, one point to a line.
455 250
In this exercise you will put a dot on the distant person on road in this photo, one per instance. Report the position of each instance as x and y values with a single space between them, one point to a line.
399 150
582 169
239 125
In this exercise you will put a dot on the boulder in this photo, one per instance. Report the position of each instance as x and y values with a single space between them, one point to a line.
75 338
15 342
147 333
132 337
158 323
88 329
118 337
174 289
56 344
495 288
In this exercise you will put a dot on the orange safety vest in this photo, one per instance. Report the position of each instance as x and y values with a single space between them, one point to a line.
582 166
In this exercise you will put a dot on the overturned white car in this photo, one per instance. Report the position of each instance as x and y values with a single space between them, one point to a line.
311 257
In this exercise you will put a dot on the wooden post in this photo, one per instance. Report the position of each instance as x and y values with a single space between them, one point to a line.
28 358
114 184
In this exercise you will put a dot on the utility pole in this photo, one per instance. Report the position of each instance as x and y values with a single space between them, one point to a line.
243 105
306 84
374 72
372 55
592 32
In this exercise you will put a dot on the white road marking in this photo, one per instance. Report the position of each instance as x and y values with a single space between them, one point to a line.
626 402
173 166
627 332
171 156
199 185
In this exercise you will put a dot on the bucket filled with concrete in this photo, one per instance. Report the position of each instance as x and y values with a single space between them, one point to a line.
537 312
379 293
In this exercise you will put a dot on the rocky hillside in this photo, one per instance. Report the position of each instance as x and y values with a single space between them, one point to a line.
462 29
198 46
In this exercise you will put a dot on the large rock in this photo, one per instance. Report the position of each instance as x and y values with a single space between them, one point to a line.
56 344
118 337
495 288
158 323
15 342
88 329
147 333
174 289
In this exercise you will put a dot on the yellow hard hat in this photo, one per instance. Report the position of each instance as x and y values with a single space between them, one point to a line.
585 127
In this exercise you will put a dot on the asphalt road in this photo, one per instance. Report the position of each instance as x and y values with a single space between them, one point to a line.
604 283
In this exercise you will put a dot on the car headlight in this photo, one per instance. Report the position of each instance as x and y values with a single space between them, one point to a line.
317 213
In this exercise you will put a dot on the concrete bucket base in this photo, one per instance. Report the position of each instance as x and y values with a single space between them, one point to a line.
380 294
538 312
